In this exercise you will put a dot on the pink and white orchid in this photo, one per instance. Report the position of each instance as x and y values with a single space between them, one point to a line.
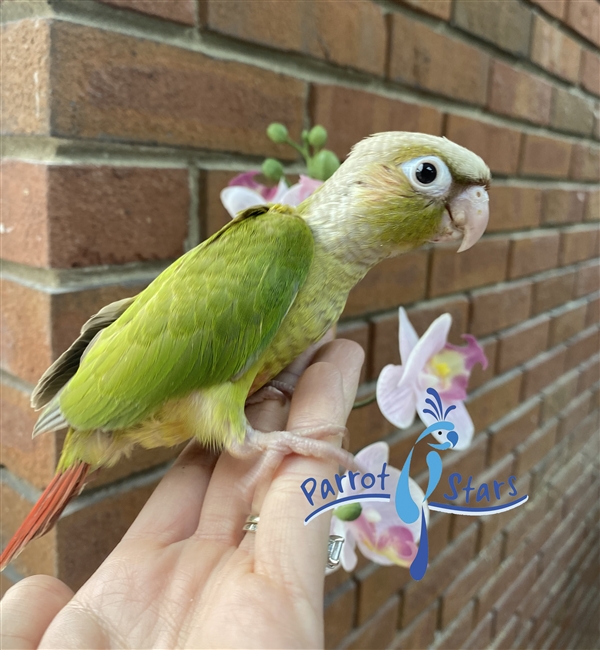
244 192
378 531
429 362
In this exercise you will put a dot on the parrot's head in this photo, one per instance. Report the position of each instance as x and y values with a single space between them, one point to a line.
402 190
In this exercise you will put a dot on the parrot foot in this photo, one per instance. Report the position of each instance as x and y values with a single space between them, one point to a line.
274 446
278 390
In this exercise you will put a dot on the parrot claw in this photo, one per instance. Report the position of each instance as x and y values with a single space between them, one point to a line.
278 390
274 446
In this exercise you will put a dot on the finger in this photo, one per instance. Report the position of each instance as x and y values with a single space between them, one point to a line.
173 511
286 549
28 608
225 510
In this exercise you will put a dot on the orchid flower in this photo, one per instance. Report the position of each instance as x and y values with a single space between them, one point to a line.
429 362
374 526
244 192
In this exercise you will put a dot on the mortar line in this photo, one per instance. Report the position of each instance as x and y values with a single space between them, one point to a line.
310 70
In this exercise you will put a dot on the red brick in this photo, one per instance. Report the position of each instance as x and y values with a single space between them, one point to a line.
351 35
182 11
483 264
588 279
542 370
479 376
378 632
499 307
86 537
507 605
468 583
579 243
589 375
514 208
584 17
426 59
553 50
523 342
350 115
40 555
115 87
419 634
441 573
490 526
457 633
375 585
519 94
544 156
563 206
25 93
422 316
395 281
529 516
590 71
574 414
481 635
585 165
554 288
213 215
439 8
592 315
497 145
32 459
559 394
25 351
592 206
82 216
532 252
556 8
494 400
339 614
572 112
567 321
505 23
367 425
535 448
518 425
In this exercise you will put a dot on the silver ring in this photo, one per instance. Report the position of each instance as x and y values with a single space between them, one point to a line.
334 546
251 523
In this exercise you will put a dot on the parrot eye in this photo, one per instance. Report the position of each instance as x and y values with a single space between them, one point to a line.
428 175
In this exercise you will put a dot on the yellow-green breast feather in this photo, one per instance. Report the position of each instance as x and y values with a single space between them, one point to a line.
202 322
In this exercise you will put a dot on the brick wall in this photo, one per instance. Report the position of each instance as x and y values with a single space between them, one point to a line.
123 119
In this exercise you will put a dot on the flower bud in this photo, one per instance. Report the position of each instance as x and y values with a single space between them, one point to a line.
317 136
323 165
349 512
272 169
277 132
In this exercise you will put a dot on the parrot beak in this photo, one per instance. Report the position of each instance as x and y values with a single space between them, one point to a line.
465 217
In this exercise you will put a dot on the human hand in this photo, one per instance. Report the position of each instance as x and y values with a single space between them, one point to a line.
185 575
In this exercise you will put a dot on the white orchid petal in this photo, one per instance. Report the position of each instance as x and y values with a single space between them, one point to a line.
398 405
463 425
408 337
429 344
373 456
237 198
280 195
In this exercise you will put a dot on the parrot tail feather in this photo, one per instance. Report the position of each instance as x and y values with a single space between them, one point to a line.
64 487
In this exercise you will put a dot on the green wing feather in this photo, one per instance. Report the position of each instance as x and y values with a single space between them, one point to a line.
202 322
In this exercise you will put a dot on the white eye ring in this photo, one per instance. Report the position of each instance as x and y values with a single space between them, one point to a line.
439 186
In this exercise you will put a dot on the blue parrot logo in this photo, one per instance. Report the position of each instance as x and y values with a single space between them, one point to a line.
407 509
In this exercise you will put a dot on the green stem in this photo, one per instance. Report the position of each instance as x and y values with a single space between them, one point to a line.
365 402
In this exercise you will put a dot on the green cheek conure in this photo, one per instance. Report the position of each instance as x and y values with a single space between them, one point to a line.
179 360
